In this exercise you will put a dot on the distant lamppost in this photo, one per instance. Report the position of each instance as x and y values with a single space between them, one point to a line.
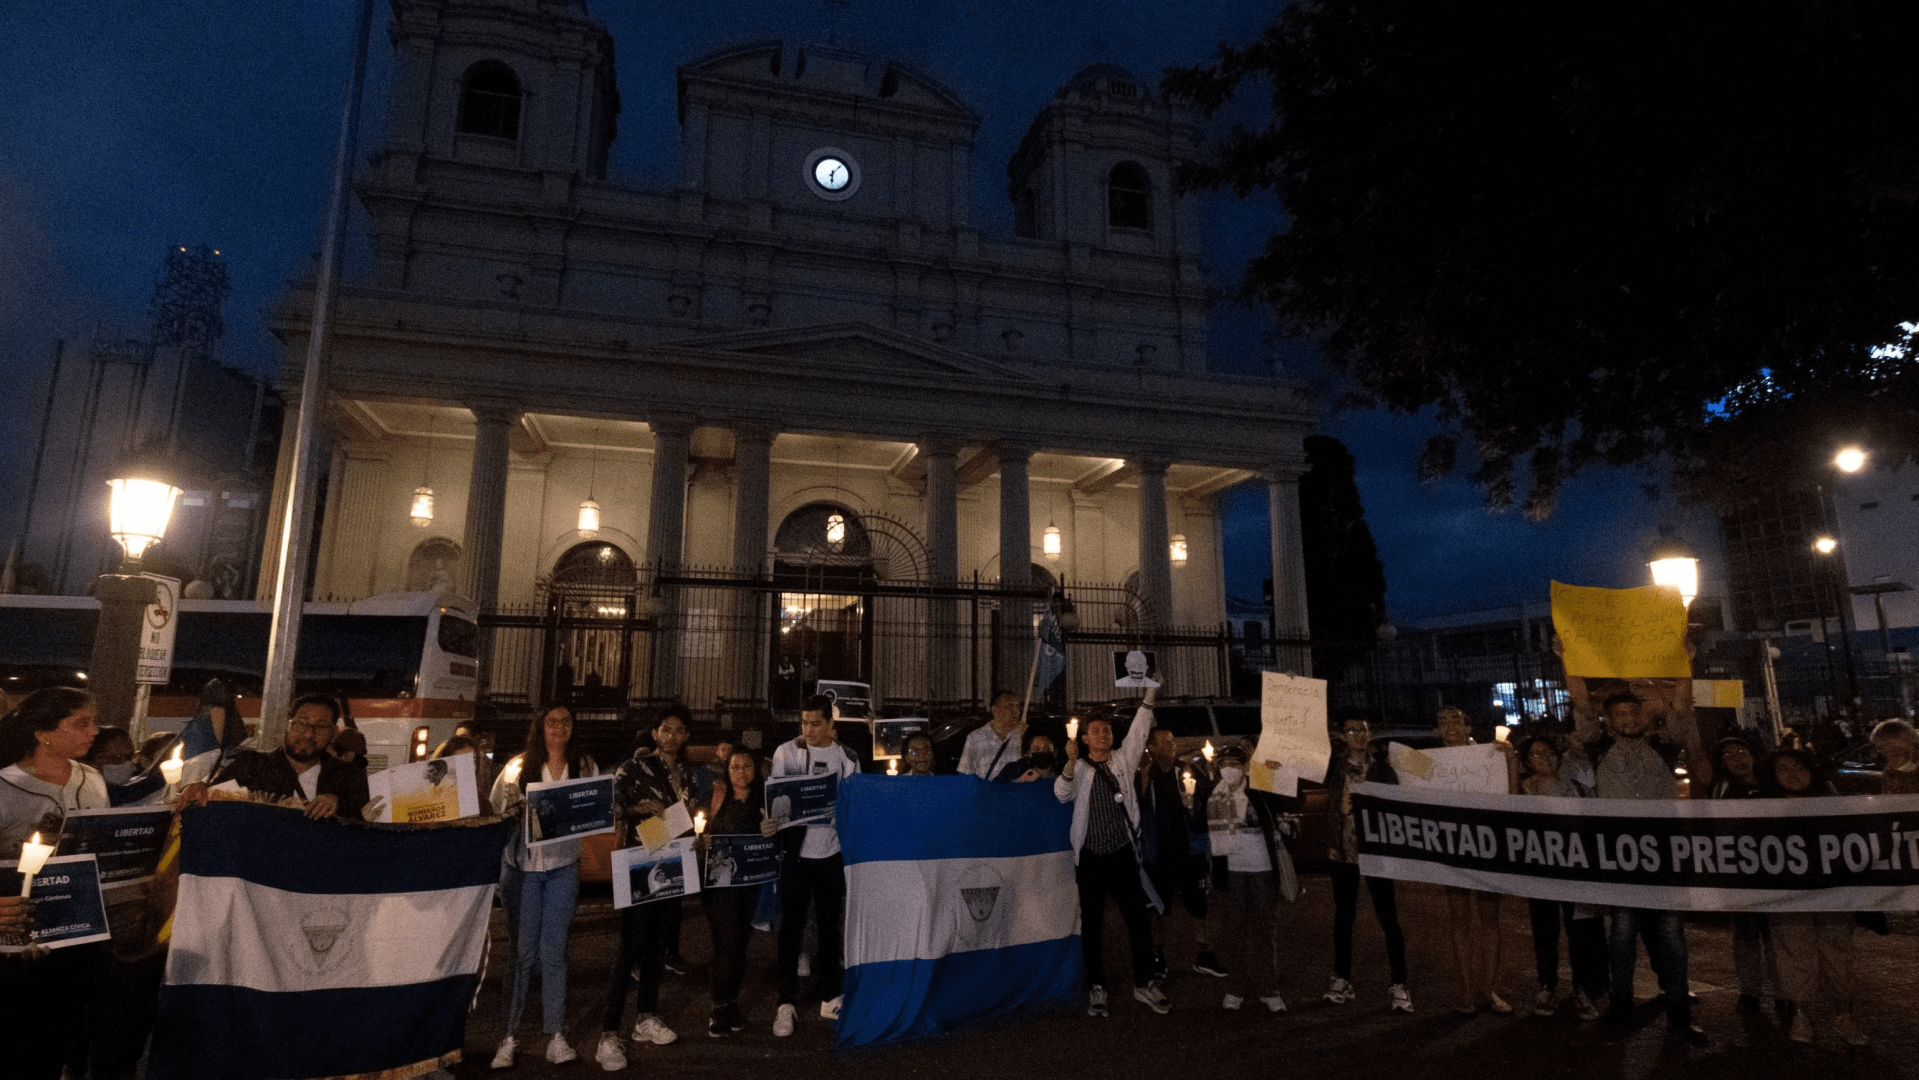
139 508
1847 459
1177 550
1827 546
1674 564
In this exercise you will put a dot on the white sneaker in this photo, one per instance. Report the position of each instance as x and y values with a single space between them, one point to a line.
649 1029
558 1052
1274 1003
1340 992
503 1057
1402 1001
1232 1002
783 1020
1096 1000
830 1010
1152 997
611 1055
806 967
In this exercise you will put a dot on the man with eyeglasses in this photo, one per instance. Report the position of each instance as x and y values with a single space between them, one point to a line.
301 767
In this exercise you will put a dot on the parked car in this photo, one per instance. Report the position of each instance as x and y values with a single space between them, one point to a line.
1859 769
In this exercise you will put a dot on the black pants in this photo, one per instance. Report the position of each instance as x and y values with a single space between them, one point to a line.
1346 908
125 999
1585 947
670 933
1182 875
729 919
642 942
803 884
1116 875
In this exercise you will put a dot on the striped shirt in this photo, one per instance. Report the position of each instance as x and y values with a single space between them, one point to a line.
1107 829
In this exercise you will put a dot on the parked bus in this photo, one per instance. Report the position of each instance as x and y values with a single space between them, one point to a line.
405 665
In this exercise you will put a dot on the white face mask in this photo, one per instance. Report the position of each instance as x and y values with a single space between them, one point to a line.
1231 775
118 773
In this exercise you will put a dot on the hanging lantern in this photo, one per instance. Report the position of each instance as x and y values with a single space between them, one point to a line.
1050 543
589 519
835 530
422 514
1177 549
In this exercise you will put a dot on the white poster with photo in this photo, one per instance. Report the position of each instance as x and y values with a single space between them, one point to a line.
1478 769
641 876
1293 741
1133 669
420 792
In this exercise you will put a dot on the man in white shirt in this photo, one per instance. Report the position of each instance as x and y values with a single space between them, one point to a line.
995 744
812 872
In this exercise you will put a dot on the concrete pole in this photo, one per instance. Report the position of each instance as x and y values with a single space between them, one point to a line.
1155 553
1015 564
1289 571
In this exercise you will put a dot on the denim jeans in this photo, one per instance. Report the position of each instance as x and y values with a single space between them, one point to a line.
1665 940
545 913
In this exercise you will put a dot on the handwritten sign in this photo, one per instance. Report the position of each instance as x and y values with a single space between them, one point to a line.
1292 732
1480 768
1621 633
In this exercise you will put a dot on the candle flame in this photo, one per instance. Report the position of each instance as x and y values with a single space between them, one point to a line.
1207 750
36 840
699 822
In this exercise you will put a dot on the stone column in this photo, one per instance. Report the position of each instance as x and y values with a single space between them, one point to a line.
1015 564
752 484
486 503
944 659
665 540
1289 572
355 516
1155 559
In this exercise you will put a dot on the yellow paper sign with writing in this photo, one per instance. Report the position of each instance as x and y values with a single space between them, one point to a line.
1621 633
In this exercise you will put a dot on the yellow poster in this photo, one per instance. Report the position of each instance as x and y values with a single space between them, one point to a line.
1621 633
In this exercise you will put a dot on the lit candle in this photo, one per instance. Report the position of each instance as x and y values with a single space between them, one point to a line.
171 768
1072 728
1191 785
1207 751
699 823
33 856
1500 733
893 767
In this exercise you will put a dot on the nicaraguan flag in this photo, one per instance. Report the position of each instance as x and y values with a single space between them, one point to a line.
961 904
321 948
1052 653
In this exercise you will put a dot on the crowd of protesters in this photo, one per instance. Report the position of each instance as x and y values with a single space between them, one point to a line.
1153 831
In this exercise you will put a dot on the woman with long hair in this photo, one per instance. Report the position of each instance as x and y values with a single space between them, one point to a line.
734 811
538 886
42 780
1814 948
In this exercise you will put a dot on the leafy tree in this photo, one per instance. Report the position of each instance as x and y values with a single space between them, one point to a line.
1644 232
1345 581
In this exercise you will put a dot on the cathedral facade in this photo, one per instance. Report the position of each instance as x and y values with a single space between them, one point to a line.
794 417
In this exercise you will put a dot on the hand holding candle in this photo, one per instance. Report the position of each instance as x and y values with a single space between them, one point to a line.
1500 733
1191 784
893 767
33 856
1207 751
1072 728
172 767
699 823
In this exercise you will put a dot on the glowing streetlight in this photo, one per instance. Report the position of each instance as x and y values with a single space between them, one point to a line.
1851 459
1825 545
138 512
1675 565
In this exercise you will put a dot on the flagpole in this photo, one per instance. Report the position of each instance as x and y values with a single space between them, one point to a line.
290 578
1032 670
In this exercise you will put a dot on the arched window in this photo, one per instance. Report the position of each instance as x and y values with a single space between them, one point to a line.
596 563
1129 197
490 101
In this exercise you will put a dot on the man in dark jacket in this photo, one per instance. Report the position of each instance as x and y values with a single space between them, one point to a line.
1166 836
302 768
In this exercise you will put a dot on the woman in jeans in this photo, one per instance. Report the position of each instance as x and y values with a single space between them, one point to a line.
1539 761
734 811
539 885
1354 762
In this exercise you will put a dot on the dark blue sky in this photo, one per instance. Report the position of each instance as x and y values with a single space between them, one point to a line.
134 125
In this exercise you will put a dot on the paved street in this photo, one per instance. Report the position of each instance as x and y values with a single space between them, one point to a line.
1313 1040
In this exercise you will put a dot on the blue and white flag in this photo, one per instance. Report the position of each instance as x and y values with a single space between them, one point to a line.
321 948
961 904
1052 652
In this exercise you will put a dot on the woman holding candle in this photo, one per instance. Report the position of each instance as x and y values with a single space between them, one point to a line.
539 885
733 811
42 780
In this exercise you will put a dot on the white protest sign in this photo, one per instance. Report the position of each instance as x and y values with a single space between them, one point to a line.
1292 733
1479 769
157 630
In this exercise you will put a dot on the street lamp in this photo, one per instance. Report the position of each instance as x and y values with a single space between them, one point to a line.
1850 459
138 512
1825 545
1676 565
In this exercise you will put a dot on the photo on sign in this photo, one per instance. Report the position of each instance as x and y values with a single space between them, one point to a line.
641 876
889 736
851 700
419 792
568 809
802 800
735 861
1134 669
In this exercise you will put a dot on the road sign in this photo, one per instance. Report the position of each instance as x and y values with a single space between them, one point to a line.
157 629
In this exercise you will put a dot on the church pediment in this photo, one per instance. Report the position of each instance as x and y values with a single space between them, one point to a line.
858 346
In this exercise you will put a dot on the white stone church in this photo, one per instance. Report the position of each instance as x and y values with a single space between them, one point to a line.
795 417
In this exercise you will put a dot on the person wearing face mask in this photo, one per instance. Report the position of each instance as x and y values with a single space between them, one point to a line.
1041 761
112 754
1898 743
1251 872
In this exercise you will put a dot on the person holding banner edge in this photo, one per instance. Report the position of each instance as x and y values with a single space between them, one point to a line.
1815 949
812 872
539 886
1105 831
645 785
1585 926
1355 762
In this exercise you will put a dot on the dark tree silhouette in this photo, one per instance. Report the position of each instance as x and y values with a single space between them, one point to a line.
1345 581
1644 232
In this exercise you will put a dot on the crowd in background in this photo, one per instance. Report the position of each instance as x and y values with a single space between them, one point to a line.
1158 834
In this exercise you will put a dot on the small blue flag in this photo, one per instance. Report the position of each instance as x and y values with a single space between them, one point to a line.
1052 652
